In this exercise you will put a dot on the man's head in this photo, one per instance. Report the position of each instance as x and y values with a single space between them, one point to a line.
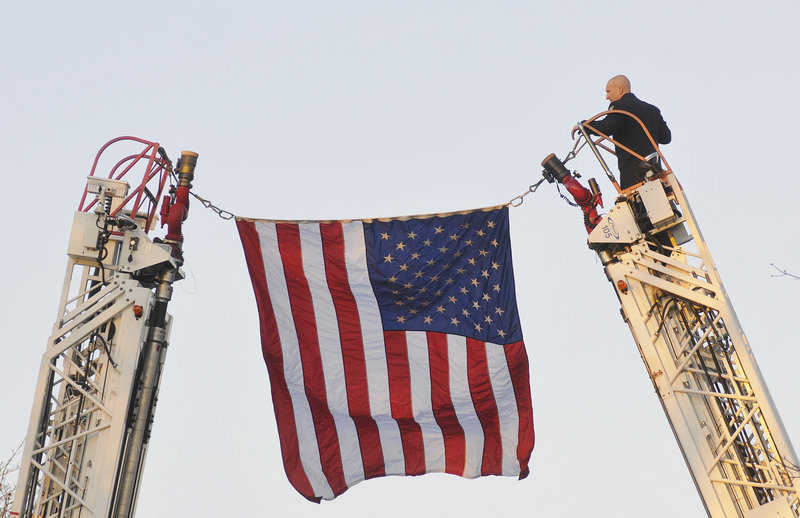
616 87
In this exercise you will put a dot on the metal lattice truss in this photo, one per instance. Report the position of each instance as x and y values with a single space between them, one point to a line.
82 387
704 372
694 349
99 377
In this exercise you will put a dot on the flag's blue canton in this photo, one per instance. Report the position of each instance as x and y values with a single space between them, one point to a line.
449 274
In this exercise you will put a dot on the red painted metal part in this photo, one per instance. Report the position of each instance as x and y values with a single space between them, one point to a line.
175 208
585 200
177 212
146 194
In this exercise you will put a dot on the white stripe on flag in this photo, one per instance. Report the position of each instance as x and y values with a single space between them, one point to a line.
292 363
421 403
374 347
506 406
462 403
330 349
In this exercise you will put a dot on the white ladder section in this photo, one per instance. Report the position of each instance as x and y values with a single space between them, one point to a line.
88 394
696 354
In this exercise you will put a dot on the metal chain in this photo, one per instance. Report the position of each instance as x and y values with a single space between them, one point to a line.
224 214
517 201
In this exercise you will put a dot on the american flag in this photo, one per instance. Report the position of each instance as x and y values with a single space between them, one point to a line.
393 347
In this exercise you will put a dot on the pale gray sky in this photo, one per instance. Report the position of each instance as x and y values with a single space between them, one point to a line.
306 110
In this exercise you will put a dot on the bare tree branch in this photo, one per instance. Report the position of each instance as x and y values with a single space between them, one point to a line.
7 468
784 273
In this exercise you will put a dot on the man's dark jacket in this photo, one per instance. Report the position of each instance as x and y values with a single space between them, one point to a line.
627 132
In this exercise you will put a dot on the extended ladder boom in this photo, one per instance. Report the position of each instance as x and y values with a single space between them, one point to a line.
99 376
693 346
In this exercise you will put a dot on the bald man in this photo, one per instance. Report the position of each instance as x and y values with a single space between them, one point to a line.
627 131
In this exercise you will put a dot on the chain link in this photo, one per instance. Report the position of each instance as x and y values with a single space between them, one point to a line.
517 201
224 214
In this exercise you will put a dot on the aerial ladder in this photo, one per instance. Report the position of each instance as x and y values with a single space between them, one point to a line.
98 382
694 349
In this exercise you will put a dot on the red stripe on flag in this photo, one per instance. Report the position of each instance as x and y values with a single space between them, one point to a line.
480 388
352 343
517 361
313 374
443 411
271 349
400 398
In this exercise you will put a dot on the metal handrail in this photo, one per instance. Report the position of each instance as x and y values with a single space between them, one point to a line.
594 144
157 166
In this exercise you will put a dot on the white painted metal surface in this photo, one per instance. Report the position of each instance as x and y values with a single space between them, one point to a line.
88 390
697 354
